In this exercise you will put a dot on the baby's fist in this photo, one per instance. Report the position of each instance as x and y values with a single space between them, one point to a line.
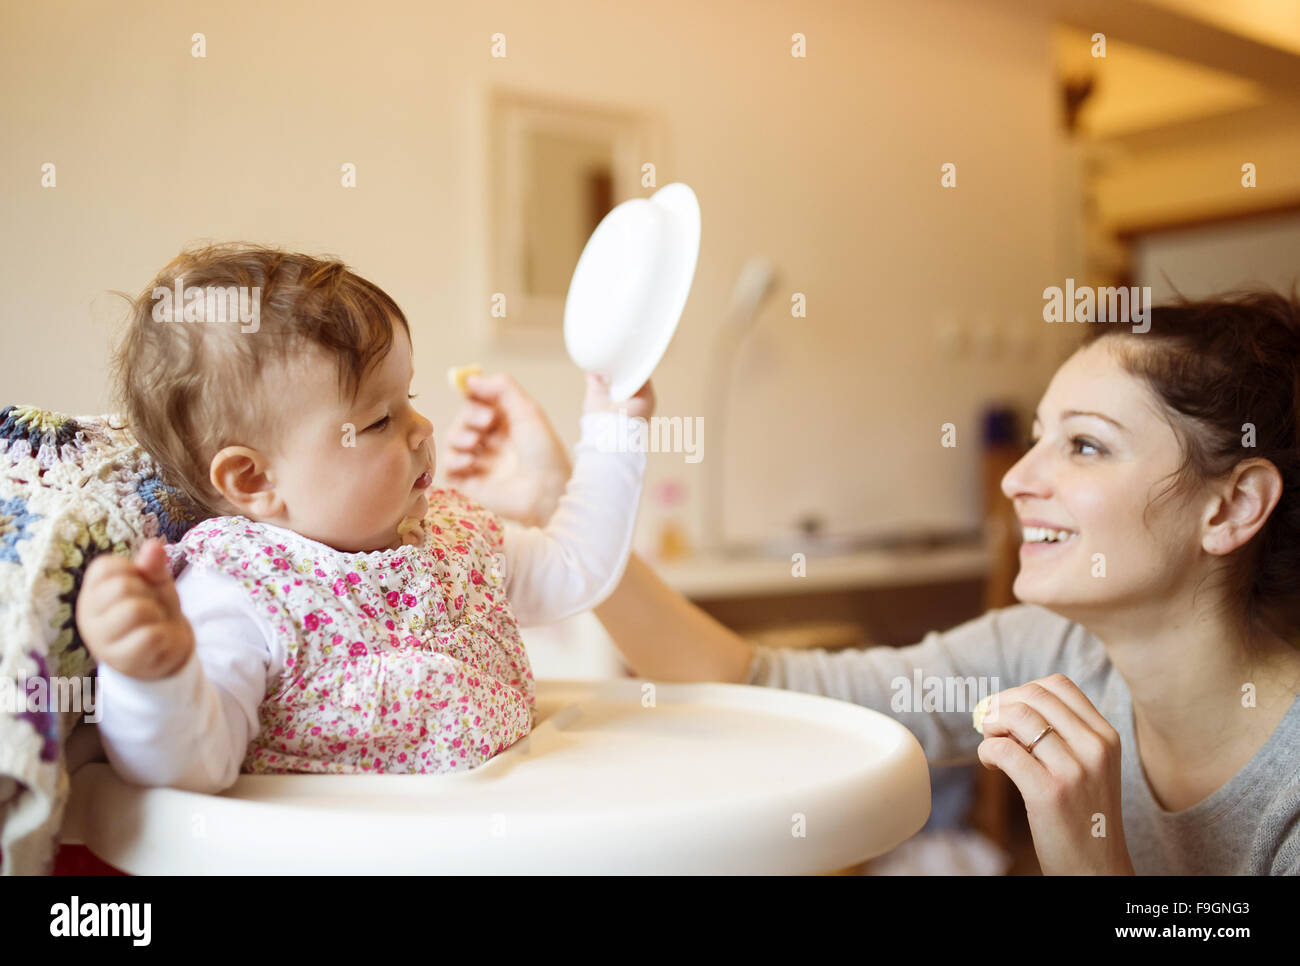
129 614
598 401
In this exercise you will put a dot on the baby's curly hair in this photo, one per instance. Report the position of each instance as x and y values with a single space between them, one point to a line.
188 389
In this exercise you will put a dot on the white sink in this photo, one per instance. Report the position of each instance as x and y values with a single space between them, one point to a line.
712 778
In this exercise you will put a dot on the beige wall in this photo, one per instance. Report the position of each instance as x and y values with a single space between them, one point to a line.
829 166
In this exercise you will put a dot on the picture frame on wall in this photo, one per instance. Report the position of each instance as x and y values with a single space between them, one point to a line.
557 167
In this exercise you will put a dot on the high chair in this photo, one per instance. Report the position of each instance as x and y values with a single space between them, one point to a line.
619 776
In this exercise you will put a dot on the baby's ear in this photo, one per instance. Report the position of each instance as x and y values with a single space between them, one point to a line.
239 474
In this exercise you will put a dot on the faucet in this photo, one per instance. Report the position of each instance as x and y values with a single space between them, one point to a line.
752 288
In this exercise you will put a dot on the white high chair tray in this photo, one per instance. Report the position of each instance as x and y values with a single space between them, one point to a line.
713 778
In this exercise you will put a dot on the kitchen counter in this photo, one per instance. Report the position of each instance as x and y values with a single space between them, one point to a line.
707 576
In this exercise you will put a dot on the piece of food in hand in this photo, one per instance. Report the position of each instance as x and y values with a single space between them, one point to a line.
459 376
981 709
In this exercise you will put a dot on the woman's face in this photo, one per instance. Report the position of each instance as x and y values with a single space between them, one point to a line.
1102 452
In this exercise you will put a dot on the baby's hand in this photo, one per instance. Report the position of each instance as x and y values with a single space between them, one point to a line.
130 616
598 401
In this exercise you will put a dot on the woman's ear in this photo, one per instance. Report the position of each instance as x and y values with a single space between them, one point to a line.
1242 503
239 473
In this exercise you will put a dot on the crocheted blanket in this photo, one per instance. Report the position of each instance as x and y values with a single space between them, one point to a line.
71 488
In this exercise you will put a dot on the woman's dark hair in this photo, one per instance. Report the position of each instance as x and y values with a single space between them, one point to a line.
1228 371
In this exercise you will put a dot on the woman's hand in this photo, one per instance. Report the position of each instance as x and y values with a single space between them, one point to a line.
504 453
1070 782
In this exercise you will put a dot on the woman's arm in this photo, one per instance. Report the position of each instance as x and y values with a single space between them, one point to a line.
664 636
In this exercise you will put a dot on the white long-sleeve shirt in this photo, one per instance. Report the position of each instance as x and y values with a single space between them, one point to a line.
191 730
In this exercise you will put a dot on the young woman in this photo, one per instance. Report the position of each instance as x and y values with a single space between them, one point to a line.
1148 714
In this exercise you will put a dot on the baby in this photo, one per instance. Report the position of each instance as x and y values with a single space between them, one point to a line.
335 612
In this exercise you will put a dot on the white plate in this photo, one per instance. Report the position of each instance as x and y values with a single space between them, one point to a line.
707 779
630 286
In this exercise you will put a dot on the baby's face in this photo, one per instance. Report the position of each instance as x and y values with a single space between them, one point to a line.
347 474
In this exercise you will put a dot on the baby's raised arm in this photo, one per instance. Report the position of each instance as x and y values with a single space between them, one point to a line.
576 561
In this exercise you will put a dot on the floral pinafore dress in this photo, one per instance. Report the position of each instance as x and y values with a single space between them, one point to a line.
397 661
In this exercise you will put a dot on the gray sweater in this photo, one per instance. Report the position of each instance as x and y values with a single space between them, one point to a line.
1250 826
